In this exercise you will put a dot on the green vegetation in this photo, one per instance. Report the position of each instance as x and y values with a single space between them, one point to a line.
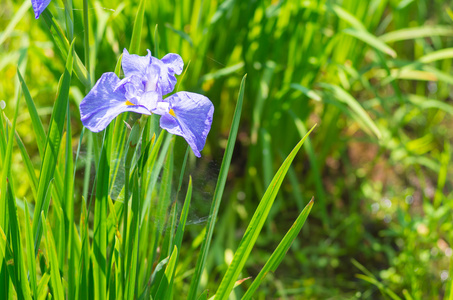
362 88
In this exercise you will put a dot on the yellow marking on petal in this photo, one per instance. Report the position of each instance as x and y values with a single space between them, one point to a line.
172 112
129 102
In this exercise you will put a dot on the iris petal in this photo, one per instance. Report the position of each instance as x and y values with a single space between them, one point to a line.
170 65
103 103
39 6
192 118
134 64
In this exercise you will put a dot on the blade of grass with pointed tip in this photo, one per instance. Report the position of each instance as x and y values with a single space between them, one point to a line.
43 286
202 256
55 279
279 253
52 146
166 281
255 225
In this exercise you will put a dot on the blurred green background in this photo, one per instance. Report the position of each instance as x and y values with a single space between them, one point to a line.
375 76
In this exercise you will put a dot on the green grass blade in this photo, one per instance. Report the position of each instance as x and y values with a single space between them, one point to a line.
137 31
69 208
163 292
55 279
7 269
255 225
371 40
6 176
201 261
344 97
30 253
52 146
184 214
84 263
279 253
65 48
100 227
22 289
17 17
28 164
38 128
424 31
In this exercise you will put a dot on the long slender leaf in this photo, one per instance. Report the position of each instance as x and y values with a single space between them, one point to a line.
201 261
52 147
255 225
279 253
55 279
30 254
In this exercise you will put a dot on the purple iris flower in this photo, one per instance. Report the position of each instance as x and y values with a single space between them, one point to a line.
39 6
147 80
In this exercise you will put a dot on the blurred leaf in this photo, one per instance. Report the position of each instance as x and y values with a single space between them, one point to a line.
343 96
371 40
416 32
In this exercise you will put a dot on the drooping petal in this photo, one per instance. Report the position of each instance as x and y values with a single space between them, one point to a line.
103 103
174 63
170 65
134 64
190 116
39 6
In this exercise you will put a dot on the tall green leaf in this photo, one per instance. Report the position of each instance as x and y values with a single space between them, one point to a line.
255 225
201 261
280 252
52 147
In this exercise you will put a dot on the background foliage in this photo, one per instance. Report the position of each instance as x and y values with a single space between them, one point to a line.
374 75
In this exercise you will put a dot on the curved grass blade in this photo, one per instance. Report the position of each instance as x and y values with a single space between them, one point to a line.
276 258
416 32
371 40
255 225
343 96
53 141
201 261
38 128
